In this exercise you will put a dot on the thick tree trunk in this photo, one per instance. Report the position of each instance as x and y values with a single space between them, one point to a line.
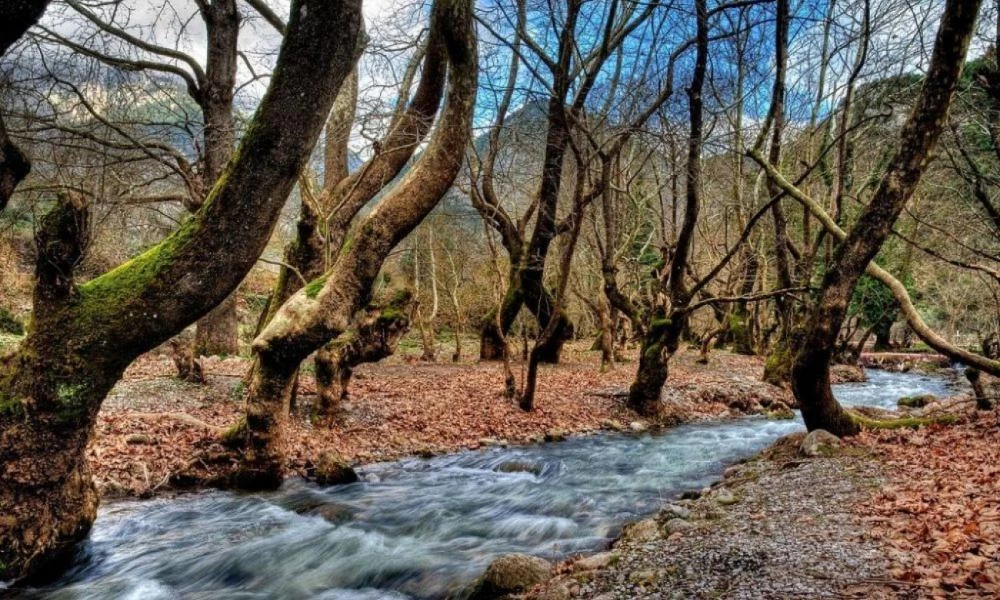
83 337
324 309
810 370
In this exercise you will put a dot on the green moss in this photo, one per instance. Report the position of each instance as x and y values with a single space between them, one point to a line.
901 423
72 400
9 323
314 287
918 401
101 299
11 407
236 434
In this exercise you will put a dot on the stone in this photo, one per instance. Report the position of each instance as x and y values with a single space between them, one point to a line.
613 425
819 442
596 561
725 497
487 442
641 531
677 525
918 401
847 374
138 438
333 513
558 591
332 469
780 411
518 466
510 574
638 427
555 435
678 511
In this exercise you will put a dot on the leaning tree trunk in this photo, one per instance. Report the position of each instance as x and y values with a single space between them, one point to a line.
83 336
324 309
811 367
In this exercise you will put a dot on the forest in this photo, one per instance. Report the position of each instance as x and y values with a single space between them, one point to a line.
481 299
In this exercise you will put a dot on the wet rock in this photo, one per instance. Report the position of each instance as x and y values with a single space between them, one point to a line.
333 513
918 401
847 374
641 531
332 469
780 411
677 525
555 435
511 574
138 438
638 427
819 442
597 561
613 425
517 466
488 442
691 495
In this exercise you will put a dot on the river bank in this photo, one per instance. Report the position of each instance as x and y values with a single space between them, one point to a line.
156 432
887 514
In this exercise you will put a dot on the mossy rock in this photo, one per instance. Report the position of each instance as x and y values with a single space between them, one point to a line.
9 323
918 401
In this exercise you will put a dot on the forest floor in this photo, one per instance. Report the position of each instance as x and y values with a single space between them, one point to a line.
153 427
889 514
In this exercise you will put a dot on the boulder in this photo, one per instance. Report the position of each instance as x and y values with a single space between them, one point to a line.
613 425
819 442
511 574
332 469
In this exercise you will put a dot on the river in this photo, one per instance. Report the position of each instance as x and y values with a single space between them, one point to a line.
418 528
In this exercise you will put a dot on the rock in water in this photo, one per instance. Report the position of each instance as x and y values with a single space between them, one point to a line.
819 442
332 469
510 574
919 401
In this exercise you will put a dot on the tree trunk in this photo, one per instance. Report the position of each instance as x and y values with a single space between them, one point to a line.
218 333
84 336
810 370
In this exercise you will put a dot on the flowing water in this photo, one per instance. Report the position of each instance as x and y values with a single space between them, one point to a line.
417 528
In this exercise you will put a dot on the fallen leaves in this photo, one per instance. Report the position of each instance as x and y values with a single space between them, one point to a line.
939 515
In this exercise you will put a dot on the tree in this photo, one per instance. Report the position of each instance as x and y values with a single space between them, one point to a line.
325 309
83 336
815 348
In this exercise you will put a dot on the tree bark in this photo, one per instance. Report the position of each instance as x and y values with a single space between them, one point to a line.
84 336
811 366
